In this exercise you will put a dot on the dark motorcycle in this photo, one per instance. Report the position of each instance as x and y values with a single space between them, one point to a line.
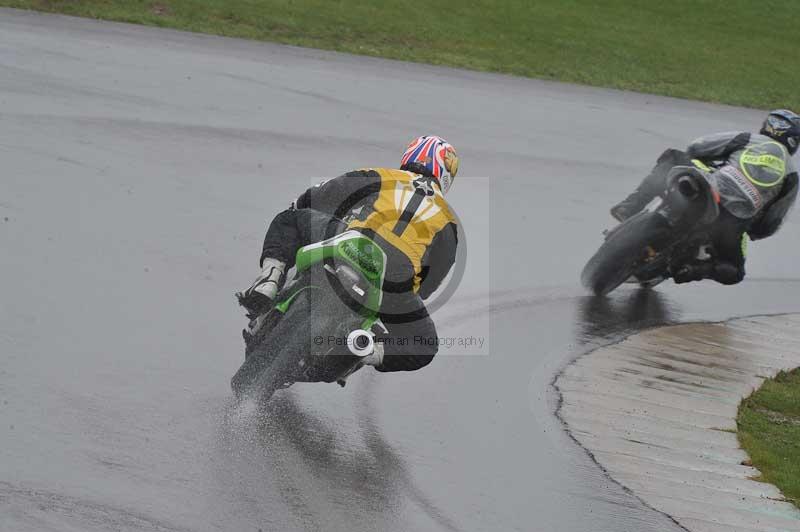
324 322
672 231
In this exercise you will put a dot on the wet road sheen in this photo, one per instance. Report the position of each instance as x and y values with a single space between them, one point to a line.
140 168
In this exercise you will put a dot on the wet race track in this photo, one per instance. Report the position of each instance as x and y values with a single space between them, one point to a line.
140 168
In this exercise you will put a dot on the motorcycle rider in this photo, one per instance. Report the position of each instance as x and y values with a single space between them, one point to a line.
760 165
405 213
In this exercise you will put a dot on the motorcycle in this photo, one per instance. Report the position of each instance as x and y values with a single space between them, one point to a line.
324 321
673 230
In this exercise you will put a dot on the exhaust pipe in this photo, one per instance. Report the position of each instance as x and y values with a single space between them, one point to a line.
360 342
688 187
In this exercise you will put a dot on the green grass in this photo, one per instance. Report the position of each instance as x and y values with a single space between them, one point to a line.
769 430
740 52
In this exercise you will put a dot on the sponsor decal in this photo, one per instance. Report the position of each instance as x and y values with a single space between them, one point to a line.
744 184
764 164
362 258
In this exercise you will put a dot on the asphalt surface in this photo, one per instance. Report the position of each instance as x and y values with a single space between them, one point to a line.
139 170
658 412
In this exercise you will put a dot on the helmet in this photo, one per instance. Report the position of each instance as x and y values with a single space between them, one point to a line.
434 157
784 126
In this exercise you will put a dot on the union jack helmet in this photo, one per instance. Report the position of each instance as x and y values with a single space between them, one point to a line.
432 156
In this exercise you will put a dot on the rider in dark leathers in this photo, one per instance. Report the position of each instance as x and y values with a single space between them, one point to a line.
405 212
758 166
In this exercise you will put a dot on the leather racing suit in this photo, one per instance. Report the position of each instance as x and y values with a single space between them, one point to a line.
758 185
407 215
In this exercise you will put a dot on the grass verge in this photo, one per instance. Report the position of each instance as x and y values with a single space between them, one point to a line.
731 51
769 430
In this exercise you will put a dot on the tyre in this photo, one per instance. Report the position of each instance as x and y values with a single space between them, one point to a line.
276 362
288 332
623 252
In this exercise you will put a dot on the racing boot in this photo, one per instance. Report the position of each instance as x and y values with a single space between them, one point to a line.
693 272
628 207
260 296
651 186
722 272
727 273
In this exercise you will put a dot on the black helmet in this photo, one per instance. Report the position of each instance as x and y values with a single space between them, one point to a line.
784 126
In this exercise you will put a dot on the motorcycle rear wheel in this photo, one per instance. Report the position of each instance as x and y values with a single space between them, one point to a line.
271 365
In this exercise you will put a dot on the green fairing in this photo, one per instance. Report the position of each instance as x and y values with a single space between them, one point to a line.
369 322
284 305
358 251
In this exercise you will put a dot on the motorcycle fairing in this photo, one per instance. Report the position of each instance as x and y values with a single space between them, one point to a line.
356 261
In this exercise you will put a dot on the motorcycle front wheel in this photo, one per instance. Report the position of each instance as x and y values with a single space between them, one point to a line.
624 251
